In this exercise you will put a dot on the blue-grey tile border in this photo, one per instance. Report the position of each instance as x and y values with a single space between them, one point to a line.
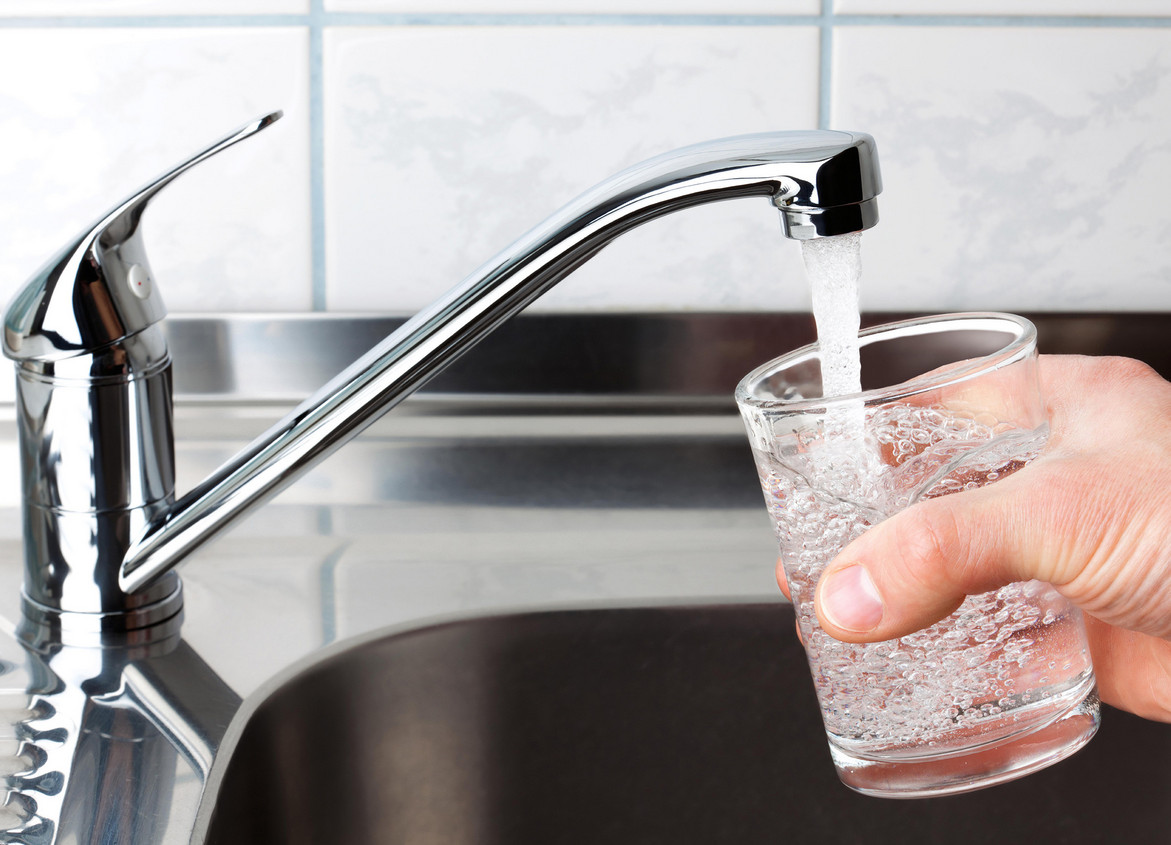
828 17
317 154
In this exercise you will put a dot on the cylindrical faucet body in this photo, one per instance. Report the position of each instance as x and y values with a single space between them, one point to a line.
94 419
97 467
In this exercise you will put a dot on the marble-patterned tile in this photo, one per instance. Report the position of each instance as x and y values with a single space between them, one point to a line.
1036 183
646 7
100 111
151 8
445 144
1110 8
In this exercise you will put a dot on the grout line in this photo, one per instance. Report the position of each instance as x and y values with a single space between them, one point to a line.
317 224
555 19
328 584
1021 21
152 21
318 19
325 521
322 18
327 577
825 66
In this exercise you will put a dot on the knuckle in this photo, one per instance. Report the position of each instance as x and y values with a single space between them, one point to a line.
1114 369
1131 378
929 544
1131 369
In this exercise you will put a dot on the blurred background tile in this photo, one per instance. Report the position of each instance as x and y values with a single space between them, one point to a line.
411 154
445 144
1037 183
91 113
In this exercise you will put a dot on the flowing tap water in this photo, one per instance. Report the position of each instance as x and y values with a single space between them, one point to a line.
1007 662
834 266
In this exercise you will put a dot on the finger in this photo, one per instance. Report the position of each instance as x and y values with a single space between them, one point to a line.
1133 670
1084 394
782 581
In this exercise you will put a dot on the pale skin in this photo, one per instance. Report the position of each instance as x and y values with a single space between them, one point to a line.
1092 516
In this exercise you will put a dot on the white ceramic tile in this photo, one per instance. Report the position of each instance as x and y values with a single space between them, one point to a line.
89 115
645 7
1023 168
103 8
1003 7
446 144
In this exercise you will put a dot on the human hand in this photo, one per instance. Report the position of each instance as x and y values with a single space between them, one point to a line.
1091 516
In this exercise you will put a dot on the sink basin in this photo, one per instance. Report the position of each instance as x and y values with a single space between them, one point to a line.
674 724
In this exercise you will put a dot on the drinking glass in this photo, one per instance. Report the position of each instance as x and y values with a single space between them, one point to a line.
1002 687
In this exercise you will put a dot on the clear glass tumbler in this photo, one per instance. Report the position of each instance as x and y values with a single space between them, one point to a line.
1002 687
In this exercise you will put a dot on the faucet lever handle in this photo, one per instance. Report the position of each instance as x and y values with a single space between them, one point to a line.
98 289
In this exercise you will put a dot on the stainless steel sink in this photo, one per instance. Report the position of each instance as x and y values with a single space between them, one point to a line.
563 465
678 724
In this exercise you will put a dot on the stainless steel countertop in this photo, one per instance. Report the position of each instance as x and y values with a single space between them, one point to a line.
432 516
428 516
614 471
570 458
425 516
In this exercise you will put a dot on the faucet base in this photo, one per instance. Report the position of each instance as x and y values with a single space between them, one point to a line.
147 623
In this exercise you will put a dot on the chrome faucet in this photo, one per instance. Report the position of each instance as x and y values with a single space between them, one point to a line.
103 529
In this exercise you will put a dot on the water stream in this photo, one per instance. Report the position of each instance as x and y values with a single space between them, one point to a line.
834 266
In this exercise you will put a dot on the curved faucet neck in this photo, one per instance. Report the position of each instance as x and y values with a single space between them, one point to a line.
823 182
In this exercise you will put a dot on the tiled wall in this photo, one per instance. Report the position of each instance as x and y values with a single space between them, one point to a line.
1025 143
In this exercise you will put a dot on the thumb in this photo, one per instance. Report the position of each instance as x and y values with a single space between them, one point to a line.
917 567
1078 524
902 575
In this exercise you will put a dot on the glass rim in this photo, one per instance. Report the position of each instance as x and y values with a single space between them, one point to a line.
1023 341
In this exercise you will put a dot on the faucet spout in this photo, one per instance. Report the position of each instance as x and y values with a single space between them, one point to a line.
824 183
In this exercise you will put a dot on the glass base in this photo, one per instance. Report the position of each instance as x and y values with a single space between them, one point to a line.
978 767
